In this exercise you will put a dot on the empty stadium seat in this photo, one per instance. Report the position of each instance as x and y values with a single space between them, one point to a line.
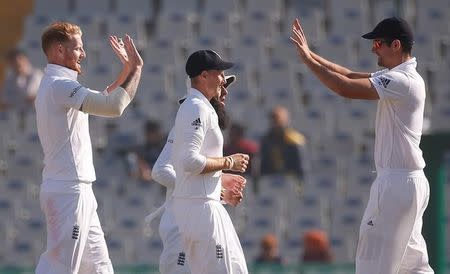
348 16
60 7
87 7
144 8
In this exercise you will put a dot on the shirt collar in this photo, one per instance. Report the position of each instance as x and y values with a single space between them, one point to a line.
57 70
192 92
407 65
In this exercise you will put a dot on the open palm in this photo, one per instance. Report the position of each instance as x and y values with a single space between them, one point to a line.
118 47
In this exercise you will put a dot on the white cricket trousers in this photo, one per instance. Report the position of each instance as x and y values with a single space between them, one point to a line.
75 240
209 238
173 258
390 236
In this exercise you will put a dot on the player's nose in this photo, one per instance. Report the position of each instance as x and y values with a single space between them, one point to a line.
223 92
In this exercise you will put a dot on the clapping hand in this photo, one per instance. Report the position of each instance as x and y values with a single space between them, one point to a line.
118 47
299 38
233 186
126 51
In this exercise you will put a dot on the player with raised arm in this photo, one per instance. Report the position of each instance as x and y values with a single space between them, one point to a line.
75 239
390 239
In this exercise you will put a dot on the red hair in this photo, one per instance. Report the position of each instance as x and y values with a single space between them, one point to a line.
58 32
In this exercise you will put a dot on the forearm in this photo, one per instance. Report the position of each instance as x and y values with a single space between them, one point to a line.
217 164
360 88
330 78
338 68
120 79
131 82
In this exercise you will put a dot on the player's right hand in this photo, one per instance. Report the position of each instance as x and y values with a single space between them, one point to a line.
240 162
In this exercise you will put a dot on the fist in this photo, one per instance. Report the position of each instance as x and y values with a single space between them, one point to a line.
239 162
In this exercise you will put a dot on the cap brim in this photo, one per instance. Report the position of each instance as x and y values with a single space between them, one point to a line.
229 80
370 35
224 65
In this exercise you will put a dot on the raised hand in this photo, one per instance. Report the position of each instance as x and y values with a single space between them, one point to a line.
133 66
299 38
134 58
117 46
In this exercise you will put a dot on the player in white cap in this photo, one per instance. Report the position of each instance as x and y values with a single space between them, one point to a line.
75 240
390 239
173 258
208 235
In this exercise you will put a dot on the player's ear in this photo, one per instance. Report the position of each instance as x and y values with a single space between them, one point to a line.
396 45
204 74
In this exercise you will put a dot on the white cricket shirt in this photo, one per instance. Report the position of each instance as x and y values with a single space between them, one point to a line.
63 129
197 136
399 118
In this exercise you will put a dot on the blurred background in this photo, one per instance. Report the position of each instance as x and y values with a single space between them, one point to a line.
312 151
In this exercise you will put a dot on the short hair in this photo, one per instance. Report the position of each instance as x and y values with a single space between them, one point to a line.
406 45
59 32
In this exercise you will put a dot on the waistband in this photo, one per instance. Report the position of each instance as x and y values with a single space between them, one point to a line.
186 199
405 172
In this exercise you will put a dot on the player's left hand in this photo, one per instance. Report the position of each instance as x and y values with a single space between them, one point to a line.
232 198
233 182
299 38
118 48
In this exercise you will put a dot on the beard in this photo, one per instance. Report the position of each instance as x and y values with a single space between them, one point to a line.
221 113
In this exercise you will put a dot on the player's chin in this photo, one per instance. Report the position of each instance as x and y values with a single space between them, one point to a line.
380 62
78 69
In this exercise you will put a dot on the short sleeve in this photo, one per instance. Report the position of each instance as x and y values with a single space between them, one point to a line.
391 85
378 73
69 93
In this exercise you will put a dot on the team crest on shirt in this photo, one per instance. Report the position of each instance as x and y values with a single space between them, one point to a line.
383 81
181 258
196 123
219 251
75 232
74 91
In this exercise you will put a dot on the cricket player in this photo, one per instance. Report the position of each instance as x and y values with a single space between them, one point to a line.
173 258
390 239
75 240
208 235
